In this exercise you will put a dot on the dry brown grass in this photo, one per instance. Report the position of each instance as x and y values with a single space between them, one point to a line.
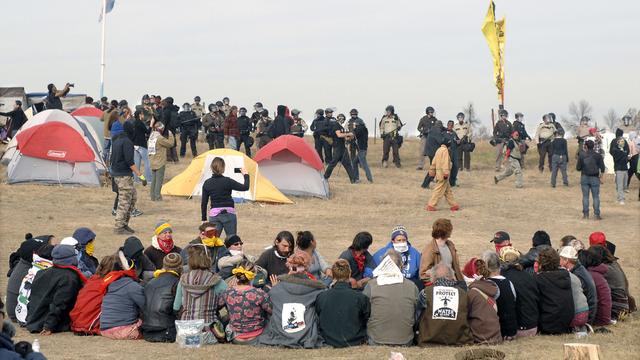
394 198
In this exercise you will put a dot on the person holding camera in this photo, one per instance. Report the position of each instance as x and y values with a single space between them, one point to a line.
390 126
464 132
217 189
52 101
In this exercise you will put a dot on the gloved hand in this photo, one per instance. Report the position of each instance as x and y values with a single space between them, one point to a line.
144 180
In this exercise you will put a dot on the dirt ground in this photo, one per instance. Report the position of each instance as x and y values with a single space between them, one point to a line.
394 198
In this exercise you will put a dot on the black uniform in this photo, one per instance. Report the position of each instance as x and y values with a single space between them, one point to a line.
339 153
189 123
452 138
245 126
321 132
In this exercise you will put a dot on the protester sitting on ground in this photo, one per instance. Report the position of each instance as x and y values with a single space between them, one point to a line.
87 263
569 260
540 241
319 268
506 300
197 292
482 312
260 280
161 244
501 239
133 250
42 260
444 310
248 307
19 264
580 304
593 262
9 351
54 293
218 189
410 255
360 260
234 257
274 259
556 299
122 305
527 293
393 304
440 249
208 237
617 281
343 312
294 322
158 323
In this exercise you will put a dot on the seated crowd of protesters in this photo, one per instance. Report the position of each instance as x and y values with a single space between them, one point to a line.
290 296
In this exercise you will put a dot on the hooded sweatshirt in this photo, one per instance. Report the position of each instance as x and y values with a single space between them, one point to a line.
483 312
294 322
281 125
197 293
410 260
123 304
603 315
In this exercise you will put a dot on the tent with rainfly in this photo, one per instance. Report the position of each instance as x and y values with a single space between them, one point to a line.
293 166
93 116
53 153
189 182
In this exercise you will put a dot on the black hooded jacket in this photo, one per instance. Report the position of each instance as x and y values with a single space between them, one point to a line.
527 296
556 301
281 125
620 154
134 251
158 314
434 140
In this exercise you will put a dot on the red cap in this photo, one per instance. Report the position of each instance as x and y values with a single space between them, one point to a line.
597 239
470 268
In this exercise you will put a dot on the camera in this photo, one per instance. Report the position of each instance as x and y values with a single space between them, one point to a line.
72 84
237 170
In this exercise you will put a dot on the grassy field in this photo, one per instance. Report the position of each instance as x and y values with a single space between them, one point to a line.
394 198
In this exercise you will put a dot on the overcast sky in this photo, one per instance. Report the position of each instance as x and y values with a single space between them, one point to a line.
339 53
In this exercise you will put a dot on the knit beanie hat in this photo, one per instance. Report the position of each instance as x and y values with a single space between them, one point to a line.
232 240
84 235
64 255
162 226
597 239
132 247
469 269
172 262
541 237
399 230
116 128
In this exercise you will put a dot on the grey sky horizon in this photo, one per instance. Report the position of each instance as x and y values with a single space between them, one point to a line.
343 54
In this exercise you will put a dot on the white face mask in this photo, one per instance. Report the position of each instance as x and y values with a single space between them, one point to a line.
401 247
235 252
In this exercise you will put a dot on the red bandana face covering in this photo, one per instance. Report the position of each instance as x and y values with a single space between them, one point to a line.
165 245
501 245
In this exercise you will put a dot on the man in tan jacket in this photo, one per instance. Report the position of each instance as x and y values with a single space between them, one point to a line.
544 135
157 147
440 169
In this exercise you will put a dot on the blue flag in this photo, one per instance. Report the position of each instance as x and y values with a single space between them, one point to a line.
110 4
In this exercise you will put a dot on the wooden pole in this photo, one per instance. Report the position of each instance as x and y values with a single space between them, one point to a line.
493 120
375 129
577 351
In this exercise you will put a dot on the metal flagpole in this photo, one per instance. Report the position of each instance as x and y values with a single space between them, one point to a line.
104 22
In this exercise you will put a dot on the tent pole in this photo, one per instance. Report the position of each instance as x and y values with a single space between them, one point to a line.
104 23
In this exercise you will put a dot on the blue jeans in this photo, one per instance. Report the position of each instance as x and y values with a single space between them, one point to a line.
142 154
361 160
225 221
106 151
233 142
590 183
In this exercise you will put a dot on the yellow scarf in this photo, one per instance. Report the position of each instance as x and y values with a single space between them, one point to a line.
89 248
162 271
212 242
248 274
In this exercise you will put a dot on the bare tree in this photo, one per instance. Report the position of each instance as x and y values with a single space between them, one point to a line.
470 114
634 115
482 133
576 113
611 119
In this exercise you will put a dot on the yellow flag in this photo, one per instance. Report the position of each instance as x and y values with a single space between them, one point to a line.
495 35
490 33
500 31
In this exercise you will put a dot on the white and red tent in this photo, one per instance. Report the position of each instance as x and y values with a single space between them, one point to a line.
93 116
293 166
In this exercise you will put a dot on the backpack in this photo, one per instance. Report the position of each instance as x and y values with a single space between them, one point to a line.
85 315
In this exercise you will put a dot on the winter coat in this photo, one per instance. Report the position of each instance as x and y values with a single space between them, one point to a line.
618 283
159 318
442 322
393 312
527 296
294 321
603 315
343 314
52 298
156 256
431 256
357 274
410 260
87 264
483 312
157 146
434 140
85 316
580 304
281 125
230 127
506 306
556 302
588 288
441 164
529 259
122 304
13 286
